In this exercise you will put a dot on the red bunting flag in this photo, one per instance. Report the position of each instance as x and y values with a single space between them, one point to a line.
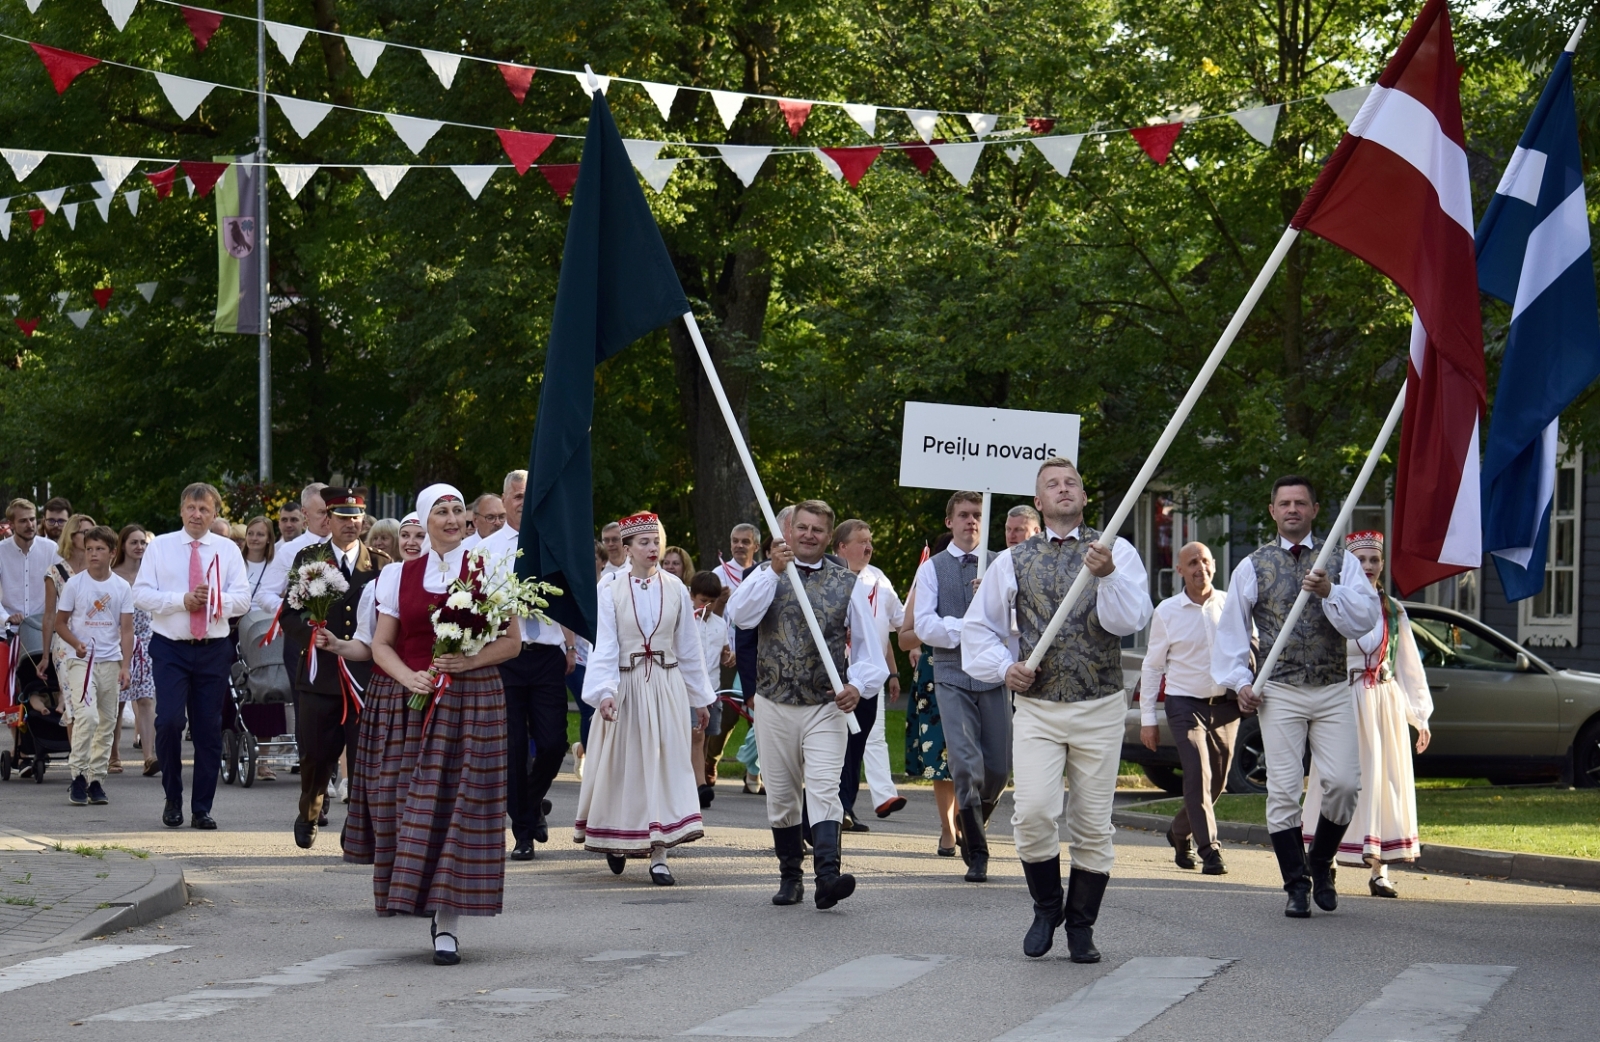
854 161
102 297
524 148
202 24
562 176
921 155
27 325
794 114
63 66
204 175
36 218
162 180
1157 141
518 79
1040 125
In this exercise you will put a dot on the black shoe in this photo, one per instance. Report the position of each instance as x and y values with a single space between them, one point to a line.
97 794
1382 888
1085 890
1211 863
203 821
791 866
1044 886
322 821
707 794
890 805
78 795
945 851
1291 851
988 811
1324 848
541 828
661 875
833 886
523 851
172 815
852 825
977 846
616 862
442 957
545 807
305 833
1182 851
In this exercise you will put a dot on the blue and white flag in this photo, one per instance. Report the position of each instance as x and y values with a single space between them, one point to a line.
1533 253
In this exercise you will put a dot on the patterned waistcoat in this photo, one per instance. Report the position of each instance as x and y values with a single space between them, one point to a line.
1085 661
634 645
955 594
788 669
1314 654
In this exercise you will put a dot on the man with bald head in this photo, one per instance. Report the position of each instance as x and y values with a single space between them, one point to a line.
1203 715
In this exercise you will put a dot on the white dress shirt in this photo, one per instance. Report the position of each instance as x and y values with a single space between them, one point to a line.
603 675
867 671
887 611
611 569
1351 606
501 546
275 583
22 575
471 541
1122 604
933 629
1181 636
163 583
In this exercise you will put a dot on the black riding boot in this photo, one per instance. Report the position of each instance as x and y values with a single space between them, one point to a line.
791 869
1324 847
832 886
977 846
1085 890
988 811
1044 886
1291 851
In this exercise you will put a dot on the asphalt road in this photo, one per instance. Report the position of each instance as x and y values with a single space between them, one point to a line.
278 943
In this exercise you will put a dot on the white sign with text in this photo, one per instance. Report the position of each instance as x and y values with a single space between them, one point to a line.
985 450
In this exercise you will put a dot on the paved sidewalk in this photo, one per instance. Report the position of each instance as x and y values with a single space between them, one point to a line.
54 892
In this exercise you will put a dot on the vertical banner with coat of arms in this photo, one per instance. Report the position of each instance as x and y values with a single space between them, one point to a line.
238 252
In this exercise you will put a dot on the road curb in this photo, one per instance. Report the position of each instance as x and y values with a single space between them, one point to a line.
1436 857
163 895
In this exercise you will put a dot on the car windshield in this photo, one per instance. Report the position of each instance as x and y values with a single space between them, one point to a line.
1447 644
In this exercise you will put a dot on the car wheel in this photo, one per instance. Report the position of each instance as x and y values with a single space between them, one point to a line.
1586 757
1168 779
1248 773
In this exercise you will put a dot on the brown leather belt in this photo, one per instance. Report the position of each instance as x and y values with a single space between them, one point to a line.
659 656
1385 674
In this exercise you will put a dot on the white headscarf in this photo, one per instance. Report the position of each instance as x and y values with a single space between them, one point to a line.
431 495
412 519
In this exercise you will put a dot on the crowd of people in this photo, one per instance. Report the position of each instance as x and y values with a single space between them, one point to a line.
433 752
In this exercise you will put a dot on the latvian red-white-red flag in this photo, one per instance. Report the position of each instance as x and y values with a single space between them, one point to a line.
1396 194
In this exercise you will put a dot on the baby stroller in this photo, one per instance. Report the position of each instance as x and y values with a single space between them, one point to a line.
37 733
258 677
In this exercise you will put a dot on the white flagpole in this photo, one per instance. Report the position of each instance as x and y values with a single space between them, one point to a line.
766 510
1331 544
1577 34
1203 377
983 538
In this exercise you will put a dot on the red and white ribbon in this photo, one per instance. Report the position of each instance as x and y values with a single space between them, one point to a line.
311 651
441 684
273 630
728 577
351 689
214 586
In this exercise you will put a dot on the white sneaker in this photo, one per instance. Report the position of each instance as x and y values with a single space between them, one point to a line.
333 790
344 790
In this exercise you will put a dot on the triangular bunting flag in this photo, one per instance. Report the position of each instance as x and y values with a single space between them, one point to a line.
70 212
443 65
183 94
162 180
294 176
583 84
1014 153
1059 152
385 178
120 11
563 176
518 78
365 53
1040 124
132 199
728 105
188 185
103 204
102 296
1346 103
36 218
33 5
523 148
921 156
663 94
1259 123
924 122
983 124
1157 141
147 290
416 133
23 161
127 308
288 38
794 114
115 170
834 170
202 25
641 153
80 318
5 225
63 66
304 116
61 300
659 171
473 178
27 325
853 162
100 187
744 160
51 198
866 117
960 159
204 176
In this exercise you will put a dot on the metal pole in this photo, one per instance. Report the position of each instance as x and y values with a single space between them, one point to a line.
264 376
983 537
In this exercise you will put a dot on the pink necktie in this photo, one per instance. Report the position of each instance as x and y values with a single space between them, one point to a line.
197 577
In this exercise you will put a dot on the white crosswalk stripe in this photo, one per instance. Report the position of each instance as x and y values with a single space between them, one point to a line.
1120 1003
1427 1002
235 993
85 960
820 998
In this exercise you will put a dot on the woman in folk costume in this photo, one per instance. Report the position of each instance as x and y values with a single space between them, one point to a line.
639 795
428 793
1390 689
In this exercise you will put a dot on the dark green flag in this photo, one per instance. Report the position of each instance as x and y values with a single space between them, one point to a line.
617 284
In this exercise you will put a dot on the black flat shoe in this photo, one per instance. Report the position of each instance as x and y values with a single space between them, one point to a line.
523 851
322 821
203 821
661 875
1182 852
707 794
945 851
852 825
172 816
305 833
1212 863
442 957
616 862
1382 888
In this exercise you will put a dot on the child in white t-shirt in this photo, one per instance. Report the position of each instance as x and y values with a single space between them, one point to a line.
706 590
94 617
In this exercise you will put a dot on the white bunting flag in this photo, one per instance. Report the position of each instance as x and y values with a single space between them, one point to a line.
416 133
61 305
365 53
385 178
866 117
103 204
115 170
304 116
132 199
81 318
443 65
834 170
5 225
51 198
1346 103
288 38
33 5
983 124
1059 151
643 154
728 105
184 94
659 172
1014 153
120 11
147 290
1259 123
473 178
127 309
663 94
23 161
583 83
961 159
100 188
294 176
924 122
744 160
70 212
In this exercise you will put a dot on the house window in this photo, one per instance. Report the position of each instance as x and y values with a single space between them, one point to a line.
1549 619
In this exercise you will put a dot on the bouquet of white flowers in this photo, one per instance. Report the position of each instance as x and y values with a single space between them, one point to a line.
313 587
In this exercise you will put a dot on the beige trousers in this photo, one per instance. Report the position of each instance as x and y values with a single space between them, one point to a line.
1084 739
802 757
92 723
1324 717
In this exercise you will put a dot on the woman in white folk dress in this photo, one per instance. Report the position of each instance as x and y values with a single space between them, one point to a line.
1390 689
639 796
